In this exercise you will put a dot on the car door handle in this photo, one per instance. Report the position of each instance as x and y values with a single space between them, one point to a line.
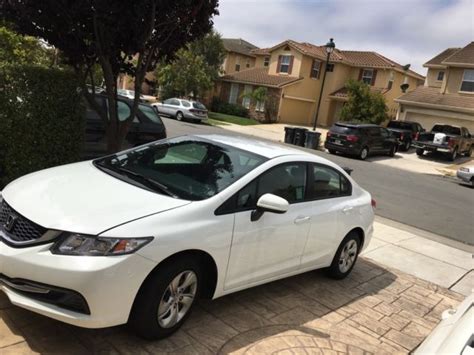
300 220
347 209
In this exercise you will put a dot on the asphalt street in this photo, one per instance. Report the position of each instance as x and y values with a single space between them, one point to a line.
434 203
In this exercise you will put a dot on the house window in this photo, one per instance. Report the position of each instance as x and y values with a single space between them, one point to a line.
237 67
390 80
367 75
234 92
440 76
285 63
237 63
468 80
246 98
330 68
260 106
315 69
266 61
247 64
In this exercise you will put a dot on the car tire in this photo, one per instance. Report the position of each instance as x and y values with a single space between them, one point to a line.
407 146
345 257
162 289
364 153
332 151
196 121
392 151
179 116
472 182
420 152
454 154
469 152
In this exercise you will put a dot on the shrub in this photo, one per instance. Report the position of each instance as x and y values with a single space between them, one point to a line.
220 106
41 120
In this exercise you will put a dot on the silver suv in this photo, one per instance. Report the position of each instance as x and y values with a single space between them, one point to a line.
182 109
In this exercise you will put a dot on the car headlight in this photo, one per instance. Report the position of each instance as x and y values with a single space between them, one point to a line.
88 245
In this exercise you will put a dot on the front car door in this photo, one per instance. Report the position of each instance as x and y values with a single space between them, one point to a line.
271 246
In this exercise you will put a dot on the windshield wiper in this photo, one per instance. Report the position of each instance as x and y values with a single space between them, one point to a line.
147 181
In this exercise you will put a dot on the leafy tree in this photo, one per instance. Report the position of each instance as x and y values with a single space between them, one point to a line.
18 49
194 69
187 75
111 33
363 105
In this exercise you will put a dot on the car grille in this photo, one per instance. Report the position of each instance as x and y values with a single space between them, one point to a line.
22 229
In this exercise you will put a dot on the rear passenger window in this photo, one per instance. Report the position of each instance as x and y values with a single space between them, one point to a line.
185 103
328 183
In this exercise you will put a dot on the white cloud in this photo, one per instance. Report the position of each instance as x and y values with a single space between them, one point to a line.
407 31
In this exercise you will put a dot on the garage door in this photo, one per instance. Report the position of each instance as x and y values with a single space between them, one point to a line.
428 121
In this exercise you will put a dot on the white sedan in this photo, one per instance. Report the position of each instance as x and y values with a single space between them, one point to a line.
137 236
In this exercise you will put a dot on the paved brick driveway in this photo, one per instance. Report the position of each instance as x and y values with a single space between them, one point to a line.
375 310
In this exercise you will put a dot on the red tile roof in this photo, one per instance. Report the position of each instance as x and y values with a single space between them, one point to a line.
259 76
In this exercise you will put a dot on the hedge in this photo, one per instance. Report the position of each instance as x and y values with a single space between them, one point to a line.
41 120
220 106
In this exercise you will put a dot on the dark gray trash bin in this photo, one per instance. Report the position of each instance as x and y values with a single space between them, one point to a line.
300 136
289 135
312 140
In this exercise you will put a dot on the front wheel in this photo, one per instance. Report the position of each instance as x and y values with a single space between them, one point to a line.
332 151
392 151
165 300
420 151
346 257
469 152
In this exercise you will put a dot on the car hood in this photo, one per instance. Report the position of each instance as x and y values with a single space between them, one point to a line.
81 198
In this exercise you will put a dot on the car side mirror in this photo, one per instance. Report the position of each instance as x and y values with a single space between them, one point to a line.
269 203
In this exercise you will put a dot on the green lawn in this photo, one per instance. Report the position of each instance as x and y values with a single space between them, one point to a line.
242 121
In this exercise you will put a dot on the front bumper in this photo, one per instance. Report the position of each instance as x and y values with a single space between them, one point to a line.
108 285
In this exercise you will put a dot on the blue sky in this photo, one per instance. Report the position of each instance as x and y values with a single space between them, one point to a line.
407 31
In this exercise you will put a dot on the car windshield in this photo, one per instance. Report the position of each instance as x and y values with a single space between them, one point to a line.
150 113
399 125
446 129
199 106
182 167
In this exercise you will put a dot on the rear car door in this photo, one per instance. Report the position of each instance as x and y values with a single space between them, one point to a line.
375 139
272 245
388 140
331 206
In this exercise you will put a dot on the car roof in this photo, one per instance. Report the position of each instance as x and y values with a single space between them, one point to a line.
355 124
265 148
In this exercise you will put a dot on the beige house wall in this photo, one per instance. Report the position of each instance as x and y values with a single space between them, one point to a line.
432 78
453 81
260 60
429 117
232 59
298 57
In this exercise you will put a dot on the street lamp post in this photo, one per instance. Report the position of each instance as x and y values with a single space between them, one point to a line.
329 49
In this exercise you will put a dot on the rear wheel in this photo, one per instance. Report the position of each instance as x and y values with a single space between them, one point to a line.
197 121
165 300
407 146
346 257
332 151
364 153
469 152
454 154
392 151
420 151
179 116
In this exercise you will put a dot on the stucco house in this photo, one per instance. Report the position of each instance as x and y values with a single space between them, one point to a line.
239 55
292 73
448 93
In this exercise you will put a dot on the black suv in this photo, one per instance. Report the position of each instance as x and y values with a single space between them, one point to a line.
360 140
405 131
146 127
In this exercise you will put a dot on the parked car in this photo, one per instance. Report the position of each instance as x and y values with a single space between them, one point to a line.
360 140
137 236
451 140
182 109
454 334
147 126
405 131
466 174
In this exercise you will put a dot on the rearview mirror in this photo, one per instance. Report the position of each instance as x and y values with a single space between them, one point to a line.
269 203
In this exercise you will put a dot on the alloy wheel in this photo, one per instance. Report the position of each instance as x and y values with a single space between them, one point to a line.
348 256
179 116
364 153
177 299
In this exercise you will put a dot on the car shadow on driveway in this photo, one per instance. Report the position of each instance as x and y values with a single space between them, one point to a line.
374 310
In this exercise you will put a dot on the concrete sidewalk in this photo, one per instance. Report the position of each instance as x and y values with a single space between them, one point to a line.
432 258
